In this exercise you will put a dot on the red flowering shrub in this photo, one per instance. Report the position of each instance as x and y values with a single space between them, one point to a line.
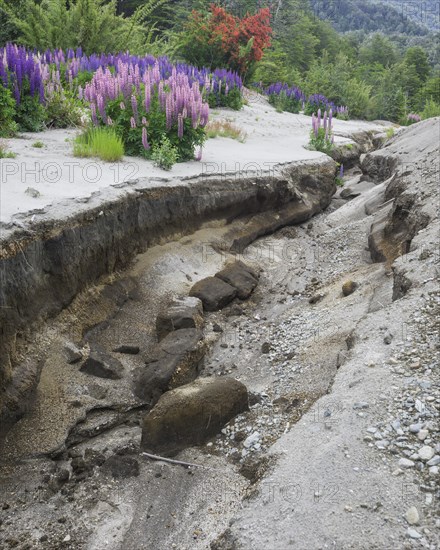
221 39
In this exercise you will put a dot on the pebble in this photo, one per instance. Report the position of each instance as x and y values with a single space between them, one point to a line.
405 463
435 460
413 534
426 453
412 516
251 440
361 405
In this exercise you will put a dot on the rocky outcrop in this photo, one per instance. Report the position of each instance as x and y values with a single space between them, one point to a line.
191 414
409 162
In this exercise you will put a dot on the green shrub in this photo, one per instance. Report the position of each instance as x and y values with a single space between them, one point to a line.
31 115
7 113
233 100
389 132
165 155
283 103
62 110
38 144
319 142
99 142
4 153
431 109
356 95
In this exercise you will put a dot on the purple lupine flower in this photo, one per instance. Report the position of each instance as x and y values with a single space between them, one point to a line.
122 106
94 117
180 126
341 171
147 97
199 154
109 121
134 106
145 143
144 121
132 122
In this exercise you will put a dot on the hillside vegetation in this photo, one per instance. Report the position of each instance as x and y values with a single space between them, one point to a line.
281 48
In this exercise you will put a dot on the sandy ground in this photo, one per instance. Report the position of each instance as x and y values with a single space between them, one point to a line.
50 183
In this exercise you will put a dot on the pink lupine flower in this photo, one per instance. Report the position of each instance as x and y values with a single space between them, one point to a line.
180 126
122 106
145 143
199 154
109 121
94 117
144 121
134 106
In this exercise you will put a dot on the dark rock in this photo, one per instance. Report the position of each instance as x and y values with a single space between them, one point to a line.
265 347
129 350
72 353
217 328
122 466
316 298
387 339
349 287
214 293
241 277
192 414
175 361
346 192
182 313
100 364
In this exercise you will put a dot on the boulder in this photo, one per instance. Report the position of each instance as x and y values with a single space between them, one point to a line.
192 414
175 361
241 277
102 365
214 293
349 287
181 313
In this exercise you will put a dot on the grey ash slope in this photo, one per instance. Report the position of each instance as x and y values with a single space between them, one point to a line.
351 468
